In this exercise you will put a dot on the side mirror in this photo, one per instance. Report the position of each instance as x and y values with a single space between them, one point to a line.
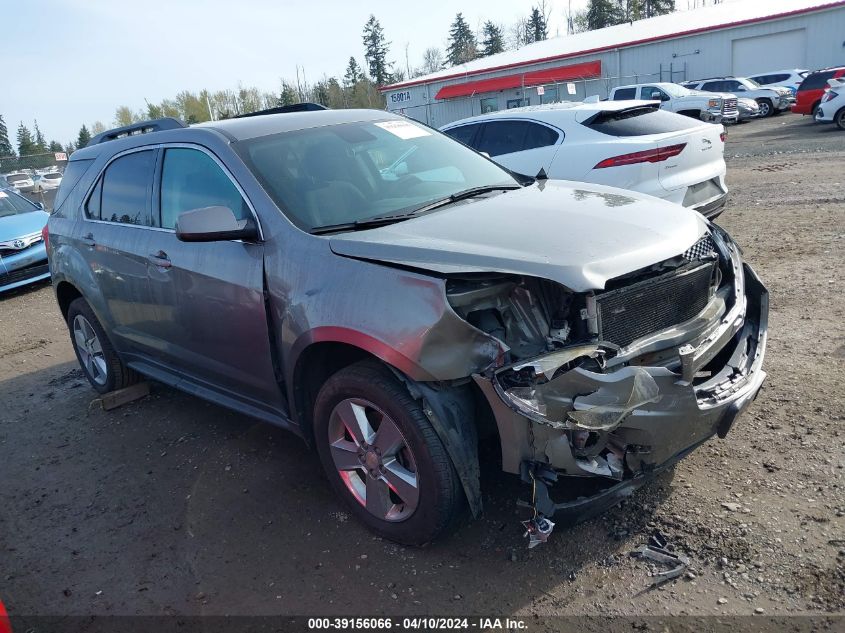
214 224
657 96
40 205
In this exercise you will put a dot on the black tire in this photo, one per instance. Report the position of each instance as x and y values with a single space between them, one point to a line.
839 119
441 498
814 108
767 108
117 375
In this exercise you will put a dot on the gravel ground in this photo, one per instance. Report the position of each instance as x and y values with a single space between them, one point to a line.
171 505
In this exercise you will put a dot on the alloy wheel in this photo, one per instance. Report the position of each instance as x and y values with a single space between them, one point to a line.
90 350
765 108
373 459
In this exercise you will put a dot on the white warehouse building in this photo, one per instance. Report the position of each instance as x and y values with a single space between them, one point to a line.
741 38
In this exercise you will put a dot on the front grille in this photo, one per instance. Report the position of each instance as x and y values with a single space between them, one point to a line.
730 106
24 273
643 308
702 249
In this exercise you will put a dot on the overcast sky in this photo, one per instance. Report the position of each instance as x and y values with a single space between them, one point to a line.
68 62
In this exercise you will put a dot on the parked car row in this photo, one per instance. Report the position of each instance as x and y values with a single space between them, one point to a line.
29 180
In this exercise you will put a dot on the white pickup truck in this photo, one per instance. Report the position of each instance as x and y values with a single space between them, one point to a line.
707 106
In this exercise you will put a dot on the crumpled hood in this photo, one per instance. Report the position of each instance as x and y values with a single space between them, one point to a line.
20 224
573 233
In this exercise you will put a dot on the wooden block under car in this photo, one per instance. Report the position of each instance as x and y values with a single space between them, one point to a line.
119 397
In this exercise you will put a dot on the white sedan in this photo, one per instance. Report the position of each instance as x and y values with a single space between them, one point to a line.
832 106
628 144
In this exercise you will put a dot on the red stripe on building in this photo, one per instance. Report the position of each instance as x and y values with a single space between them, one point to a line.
535 78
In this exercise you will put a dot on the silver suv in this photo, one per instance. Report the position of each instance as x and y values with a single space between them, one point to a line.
771 99
393 298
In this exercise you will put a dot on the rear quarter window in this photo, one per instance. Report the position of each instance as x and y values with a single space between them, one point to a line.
73 172
638 122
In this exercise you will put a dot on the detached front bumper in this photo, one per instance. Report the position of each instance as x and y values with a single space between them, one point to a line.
627 423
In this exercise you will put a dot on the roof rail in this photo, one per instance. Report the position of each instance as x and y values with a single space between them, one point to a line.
143 127
294 107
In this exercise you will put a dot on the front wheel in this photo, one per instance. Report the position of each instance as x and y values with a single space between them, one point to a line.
766 108
382 455
101 364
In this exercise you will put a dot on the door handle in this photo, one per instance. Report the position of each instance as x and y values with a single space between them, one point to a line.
88 240
160 259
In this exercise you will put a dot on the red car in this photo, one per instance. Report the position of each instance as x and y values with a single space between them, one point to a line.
810 91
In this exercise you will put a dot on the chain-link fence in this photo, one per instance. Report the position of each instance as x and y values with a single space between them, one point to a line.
42 161
32 169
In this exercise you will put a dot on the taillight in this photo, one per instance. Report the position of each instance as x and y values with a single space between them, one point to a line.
45 235
648 156
724 135
829 96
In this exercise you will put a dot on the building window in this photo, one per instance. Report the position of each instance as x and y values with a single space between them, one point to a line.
518 103
491 104
549 95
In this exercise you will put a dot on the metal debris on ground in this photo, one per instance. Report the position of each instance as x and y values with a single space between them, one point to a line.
656 551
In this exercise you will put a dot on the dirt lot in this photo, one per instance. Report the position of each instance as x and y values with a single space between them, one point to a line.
174 506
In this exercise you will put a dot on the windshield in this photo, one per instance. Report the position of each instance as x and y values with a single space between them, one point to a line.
749 83
355 171
17 177
52 175
13 204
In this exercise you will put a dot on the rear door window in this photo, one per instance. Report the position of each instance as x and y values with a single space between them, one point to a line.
624 94
537 135
463 133
191 179
715 86
502 137
125 189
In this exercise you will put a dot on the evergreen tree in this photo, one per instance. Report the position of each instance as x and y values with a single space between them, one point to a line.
55 146
538 30
494 40
83 138
26 145
462 46
289 95
70 148
375 51
40 142
652 8
601 14
353 74
5 145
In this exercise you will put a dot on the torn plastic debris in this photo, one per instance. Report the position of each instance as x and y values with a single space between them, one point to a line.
538 528
661 555
603 409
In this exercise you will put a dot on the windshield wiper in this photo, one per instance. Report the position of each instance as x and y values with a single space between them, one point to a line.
384 220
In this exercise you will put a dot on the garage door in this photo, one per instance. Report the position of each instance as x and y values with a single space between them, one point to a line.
752 55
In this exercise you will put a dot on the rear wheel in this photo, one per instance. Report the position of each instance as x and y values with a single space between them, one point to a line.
382 455
766 107
815 107
103 368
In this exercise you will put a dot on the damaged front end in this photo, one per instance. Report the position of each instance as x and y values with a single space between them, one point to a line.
618 384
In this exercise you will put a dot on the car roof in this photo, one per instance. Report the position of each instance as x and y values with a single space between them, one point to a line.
237 129
551 112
